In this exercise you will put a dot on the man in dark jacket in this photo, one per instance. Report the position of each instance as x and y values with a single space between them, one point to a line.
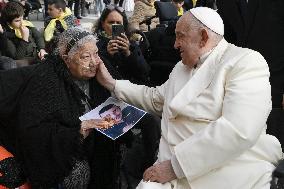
258 25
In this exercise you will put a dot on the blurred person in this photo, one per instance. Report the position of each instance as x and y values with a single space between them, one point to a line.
258 25
143 9
88 6
40 106
123 54
178 4
60 18
19 38
100 6
214 108
118 2
2 5
188 4
77 7
35 5
27 8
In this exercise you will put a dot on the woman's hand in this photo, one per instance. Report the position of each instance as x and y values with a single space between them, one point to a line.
123 44
88 125
120 43
41 54
112 47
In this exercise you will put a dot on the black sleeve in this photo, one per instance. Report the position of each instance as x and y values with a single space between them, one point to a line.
38 37
137 65
48 131
46 21
12 174
10 49
12 83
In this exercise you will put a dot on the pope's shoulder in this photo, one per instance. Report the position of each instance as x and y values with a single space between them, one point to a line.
238 56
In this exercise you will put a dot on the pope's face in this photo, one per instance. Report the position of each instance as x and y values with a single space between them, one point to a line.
84 63
113 113
187 41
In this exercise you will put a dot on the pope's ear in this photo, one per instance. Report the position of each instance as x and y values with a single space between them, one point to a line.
204 37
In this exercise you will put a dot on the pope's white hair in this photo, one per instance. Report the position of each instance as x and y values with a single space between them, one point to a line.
196 25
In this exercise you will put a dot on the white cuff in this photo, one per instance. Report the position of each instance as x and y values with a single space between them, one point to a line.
177 168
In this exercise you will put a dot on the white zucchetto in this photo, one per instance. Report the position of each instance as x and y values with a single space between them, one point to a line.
209 18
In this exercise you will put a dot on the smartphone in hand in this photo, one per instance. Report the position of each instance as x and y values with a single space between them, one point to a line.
117 29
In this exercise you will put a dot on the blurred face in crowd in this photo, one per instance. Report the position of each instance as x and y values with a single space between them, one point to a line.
114 113
54 12
17 22
188 41
84 63
178 5
113 18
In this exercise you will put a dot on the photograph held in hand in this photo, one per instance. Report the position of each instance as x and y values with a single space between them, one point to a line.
113 118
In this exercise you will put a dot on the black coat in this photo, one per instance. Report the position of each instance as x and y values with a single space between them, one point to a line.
39 110
259 26
16 48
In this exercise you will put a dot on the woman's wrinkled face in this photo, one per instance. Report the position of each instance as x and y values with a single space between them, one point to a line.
84 63
113 18
17 22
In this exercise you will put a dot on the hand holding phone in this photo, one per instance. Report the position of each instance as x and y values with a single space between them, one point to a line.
117 30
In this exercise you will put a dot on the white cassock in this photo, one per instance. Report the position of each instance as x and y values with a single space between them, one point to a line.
214 122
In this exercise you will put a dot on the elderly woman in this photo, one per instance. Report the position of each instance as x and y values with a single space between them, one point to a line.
40 107
124 55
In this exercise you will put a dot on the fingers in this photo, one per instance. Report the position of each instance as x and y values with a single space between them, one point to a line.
122 42
94 123
119 43
112 47
41 55
148 174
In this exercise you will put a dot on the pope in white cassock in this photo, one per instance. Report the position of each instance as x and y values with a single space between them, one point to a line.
214 108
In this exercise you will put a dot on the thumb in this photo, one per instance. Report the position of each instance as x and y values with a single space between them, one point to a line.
102 70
